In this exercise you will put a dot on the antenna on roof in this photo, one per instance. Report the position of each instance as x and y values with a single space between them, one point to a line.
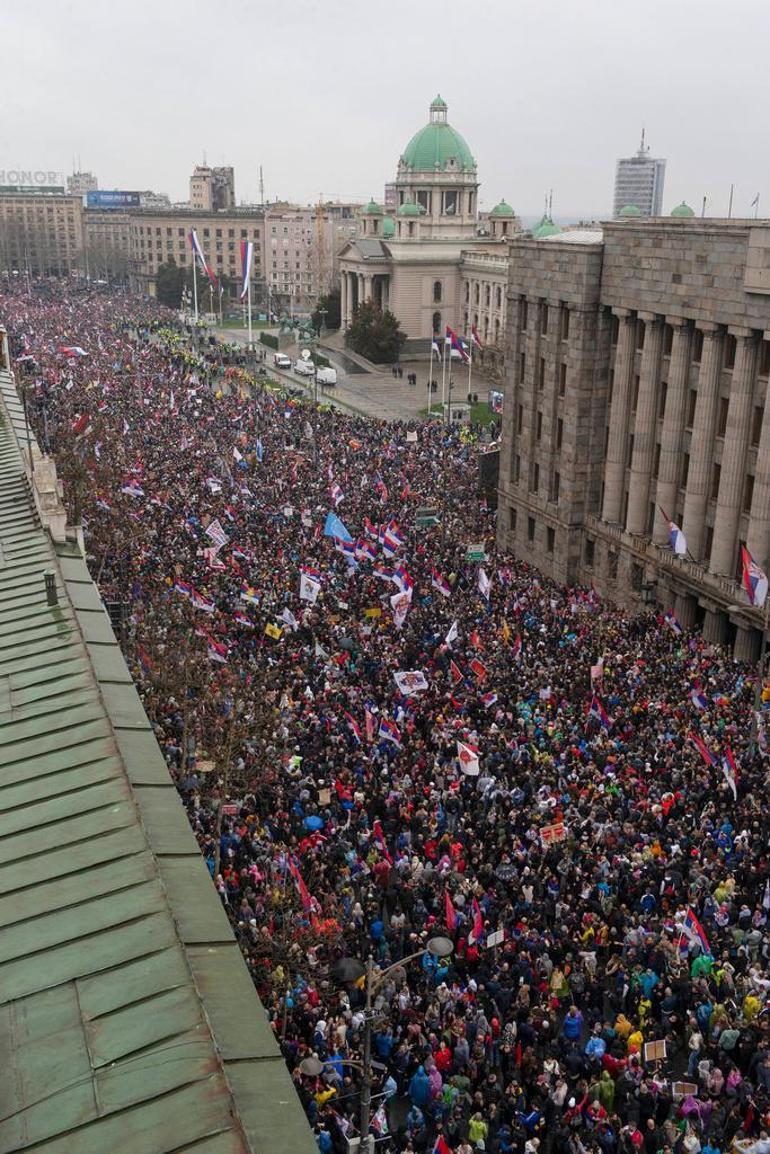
641 146
261 187
550 203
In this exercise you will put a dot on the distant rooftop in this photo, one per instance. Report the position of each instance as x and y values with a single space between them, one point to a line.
128 1019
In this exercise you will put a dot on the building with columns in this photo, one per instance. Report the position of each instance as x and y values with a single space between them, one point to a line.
416 258
637 370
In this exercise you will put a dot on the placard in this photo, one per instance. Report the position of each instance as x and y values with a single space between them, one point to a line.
655 1051
495 938
553 833
230 810
324 796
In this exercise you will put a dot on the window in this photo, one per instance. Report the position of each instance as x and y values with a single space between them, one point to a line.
219 232
531 529
539 427
685 470
716 473
635 394
535 478
524 316
520 419
522 365
641 329
730 344
612 565
556 486
637 575
697 346
562 379
467 292
668 340
724 403
748 492
437 291
559 432
764 358
708 543
564 323
756 424
550 539
692 400
516 467
588 553
662 396
487 291
423 199
450 202
656 463
437 322
512 519
541 374
543 318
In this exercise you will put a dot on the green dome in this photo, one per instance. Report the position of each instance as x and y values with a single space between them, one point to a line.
410 209
502 209
372 208
545 227
682 210
388 227
630 210
437 145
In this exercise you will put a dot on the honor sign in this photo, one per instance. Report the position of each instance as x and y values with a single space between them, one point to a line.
16 176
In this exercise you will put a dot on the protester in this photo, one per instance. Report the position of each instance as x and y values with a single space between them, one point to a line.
382 740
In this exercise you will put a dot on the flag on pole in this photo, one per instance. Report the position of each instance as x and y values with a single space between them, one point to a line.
488 700
670 619
456 672
400 603
201 602
478 669
475 338
247 256
676 537
485 584
402 579
336 494
754 579
597 712
377 831
435 349
730 770
694 931
216 651
469 758
450 913
702 748
333 527
440 583
389 732
517 647
198 253
452 635
354 727
249 593
699 700
478 923
304 893
456 344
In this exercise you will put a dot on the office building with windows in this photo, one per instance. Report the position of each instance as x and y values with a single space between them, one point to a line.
638 359
639 184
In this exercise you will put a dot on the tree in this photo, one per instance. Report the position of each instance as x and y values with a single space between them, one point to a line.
169 282
328 303
375 334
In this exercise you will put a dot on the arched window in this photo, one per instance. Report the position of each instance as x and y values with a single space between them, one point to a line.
437 322
437 291
497 331
467 292
486 296
476 294
498 296
411 228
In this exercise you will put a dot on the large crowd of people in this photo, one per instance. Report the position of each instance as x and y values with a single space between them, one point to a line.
386 733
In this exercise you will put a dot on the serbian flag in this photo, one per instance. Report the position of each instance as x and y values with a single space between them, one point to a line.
754 579
198 253
389 732
72 351
702 748
440 583
369 724
354 727
244 621
450 913
694 931
488 700
517 647
730 770
145 664
377 829
132 489
478 923
469 758
475 338
456 343
670 619
183 588
597 711
201 602
676 537
336 494
304 892
699 700
402 579
247 256
441 1146
216 651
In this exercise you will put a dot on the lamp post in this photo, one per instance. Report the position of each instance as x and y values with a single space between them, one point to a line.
350 970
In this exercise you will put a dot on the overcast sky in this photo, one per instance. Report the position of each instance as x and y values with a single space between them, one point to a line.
325 94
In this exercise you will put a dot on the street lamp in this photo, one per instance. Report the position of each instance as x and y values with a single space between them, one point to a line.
350 970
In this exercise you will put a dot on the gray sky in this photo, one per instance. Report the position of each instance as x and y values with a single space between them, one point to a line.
325 94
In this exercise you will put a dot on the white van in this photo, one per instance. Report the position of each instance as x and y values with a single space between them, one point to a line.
304 368
327 376
282 361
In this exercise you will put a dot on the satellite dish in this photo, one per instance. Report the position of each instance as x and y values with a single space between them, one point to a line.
306 354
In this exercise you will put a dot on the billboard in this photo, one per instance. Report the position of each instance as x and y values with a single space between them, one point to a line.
112 198
30 176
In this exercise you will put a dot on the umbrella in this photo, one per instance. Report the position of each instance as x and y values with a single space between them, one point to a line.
313 822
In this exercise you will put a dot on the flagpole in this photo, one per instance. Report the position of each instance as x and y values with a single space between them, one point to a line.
443 376
248 299
430 375
470 367
195 280
760 680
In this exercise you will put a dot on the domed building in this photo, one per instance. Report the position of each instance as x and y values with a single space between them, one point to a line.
683 210
418 261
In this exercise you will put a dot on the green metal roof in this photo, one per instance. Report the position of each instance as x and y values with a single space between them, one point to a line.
128 1019
682 210
545 227
409 208
371 208
388 227
438 144
630 210
502 209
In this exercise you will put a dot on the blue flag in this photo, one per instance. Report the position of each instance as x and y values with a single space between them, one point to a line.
335 528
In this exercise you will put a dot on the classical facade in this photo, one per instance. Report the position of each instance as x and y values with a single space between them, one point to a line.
637 376
41 233
418 257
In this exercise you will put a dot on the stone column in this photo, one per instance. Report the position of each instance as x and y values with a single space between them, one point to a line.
701 445
367 288
736 444
361 288
673 425
645 424
344 300
747 642
615 468
758 536
714 627
684 609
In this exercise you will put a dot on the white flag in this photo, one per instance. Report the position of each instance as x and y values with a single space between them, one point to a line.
411 681
484 584
289 619
469 758
319 650
309 588
217 534
452 635
237 454
400 603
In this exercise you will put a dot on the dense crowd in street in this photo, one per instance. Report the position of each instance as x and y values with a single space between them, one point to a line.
585 787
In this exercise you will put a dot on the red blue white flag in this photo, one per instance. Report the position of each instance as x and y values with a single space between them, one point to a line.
247 256
754 579
198 253
702 748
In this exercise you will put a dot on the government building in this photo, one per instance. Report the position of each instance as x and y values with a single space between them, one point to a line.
430 258
637 364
